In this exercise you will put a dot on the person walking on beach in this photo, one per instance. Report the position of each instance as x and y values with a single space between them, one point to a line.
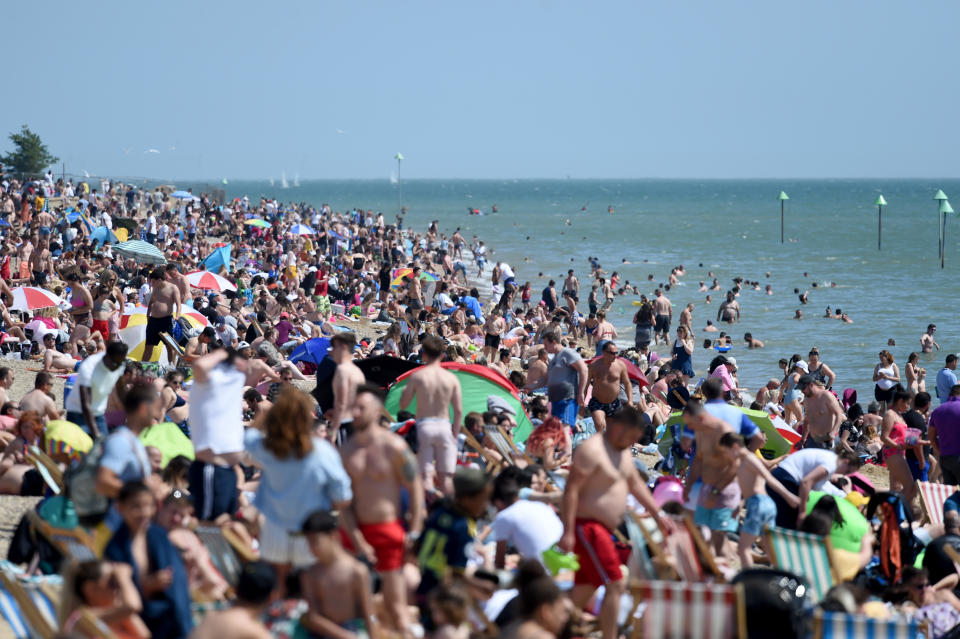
164 306
601 476
549 296
97 377
608 375
346 379
927 343
664 314
436 391
380 464
682 354
644 319
947 378
567 377
571 291
894 438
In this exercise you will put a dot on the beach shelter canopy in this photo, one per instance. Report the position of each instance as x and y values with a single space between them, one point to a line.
383 370
140 251
780 437
102 234
313 350
477 383
218 259
65 438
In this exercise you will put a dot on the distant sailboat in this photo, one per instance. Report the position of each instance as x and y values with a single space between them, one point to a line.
271 181
296 180
393 178
283 181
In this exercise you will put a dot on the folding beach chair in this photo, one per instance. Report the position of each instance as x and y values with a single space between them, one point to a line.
648 559
226 551
678 610
703 549
806 555
503 444
92 628
932 498
75 544
174 350
838 625
48 469
28 607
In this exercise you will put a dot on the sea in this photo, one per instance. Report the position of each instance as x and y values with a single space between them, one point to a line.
729 228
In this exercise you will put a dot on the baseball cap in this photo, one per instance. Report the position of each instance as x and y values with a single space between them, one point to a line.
733 361
243 345
802 365
804 381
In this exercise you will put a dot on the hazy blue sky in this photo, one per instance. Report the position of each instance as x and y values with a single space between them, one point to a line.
246 89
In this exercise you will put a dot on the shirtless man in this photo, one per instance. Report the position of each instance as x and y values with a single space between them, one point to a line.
571 290
537 372
927 343
664 311
493 329
686 317
436 391
822 414
414 291
752 342
608 375
242 619
163 308
53 360
594 500
39 399
729 310
346 379
379 464
41 262
175 277
199 345
608 293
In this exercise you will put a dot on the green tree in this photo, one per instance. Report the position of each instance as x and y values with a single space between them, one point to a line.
30 157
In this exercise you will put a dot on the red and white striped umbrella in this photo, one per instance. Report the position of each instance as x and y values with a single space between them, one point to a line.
209 281
31 298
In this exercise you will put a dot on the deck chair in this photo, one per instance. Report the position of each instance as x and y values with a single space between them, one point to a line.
48 469
703 549
806 555
838 625
677 610
226 559
647 556
75 544
173 349
932 498
92 628
28 608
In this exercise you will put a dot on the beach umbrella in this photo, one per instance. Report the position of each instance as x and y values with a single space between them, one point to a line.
880 203
302 229
944 209
169 440
939 197
209 281
133 332
103 235
65 439
398 274
257 222
783 198
140 251
313 350
182 195
31 298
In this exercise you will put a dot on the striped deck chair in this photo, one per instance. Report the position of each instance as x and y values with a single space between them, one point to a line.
226 551
48 469
678 610
932 498
647 556
29 607
174 350
75 544
805 555
838 625
707 559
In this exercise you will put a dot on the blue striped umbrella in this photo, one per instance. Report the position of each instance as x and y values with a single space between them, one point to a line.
142 251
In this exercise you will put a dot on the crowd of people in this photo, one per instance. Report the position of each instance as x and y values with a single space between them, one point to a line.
355 521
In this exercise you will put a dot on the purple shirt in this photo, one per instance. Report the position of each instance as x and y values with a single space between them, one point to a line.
946 419
283 331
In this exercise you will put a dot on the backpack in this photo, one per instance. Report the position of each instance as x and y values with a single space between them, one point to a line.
80 482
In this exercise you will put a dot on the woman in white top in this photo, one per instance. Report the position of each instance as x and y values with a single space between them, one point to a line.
887 376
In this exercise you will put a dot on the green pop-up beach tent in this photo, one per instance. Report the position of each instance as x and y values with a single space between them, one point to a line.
780 437
477 383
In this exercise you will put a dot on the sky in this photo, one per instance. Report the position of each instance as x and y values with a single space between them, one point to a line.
513 89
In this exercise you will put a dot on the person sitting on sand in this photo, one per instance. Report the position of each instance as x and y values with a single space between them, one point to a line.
14 464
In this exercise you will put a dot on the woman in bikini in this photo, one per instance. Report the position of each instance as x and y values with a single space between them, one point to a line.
894 436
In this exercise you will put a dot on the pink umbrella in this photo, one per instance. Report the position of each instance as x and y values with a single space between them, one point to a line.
209 281
31 298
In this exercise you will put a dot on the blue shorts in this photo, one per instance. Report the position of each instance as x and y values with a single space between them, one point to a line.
214 490
761 512
715 519
566 410
919 474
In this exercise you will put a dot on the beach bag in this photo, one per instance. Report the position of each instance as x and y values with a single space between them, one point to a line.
80 482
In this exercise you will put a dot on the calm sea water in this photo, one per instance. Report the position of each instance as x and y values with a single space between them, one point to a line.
729 227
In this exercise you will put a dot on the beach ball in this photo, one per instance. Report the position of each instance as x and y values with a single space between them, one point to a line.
668 489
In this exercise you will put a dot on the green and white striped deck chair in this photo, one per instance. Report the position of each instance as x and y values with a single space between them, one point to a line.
805 555
838 625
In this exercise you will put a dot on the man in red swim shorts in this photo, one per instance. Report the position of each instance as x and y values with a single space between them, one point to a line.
594 502
379 464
